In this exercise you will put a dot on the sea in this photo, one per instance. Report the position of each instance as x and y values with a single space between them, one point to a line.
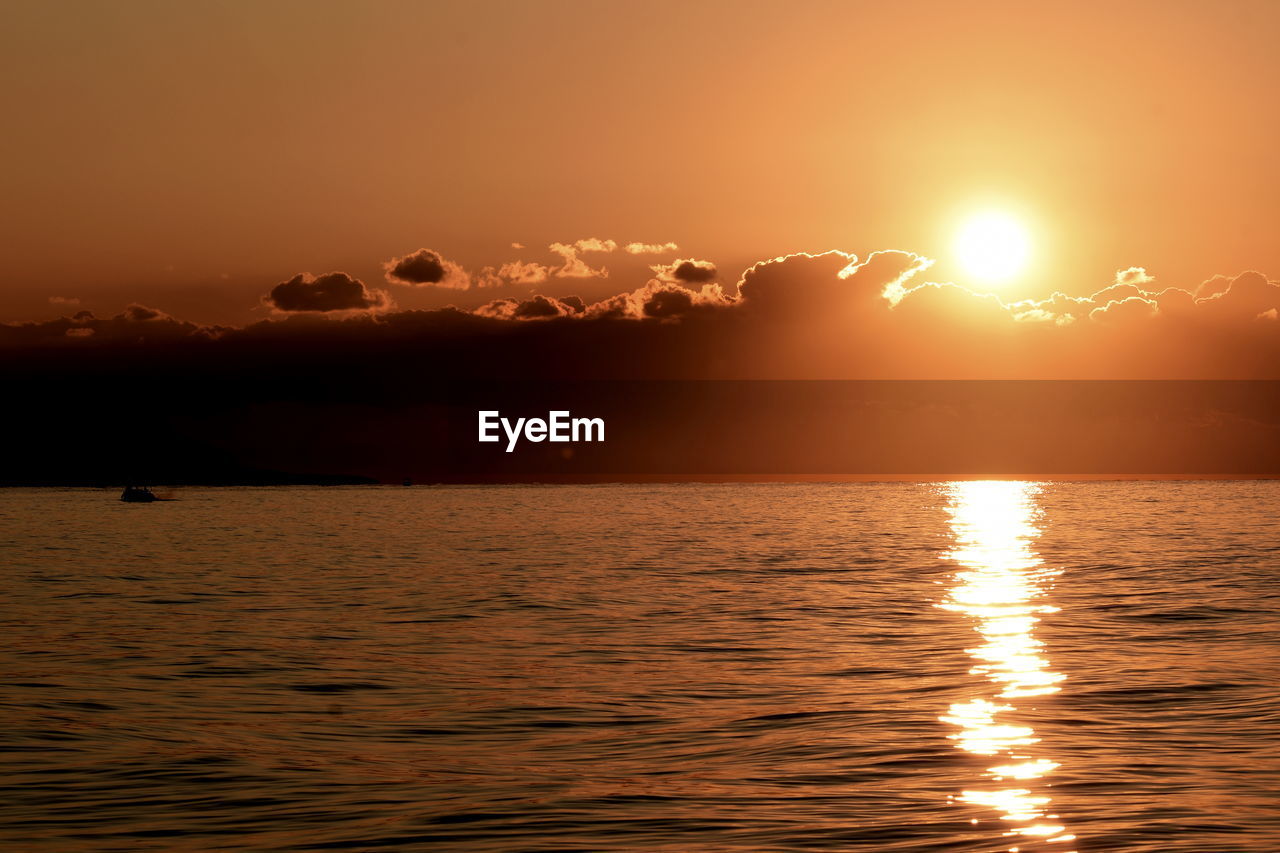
948 666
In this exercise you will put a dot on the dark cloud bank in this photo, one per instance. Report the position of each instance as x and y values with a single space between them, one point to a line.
338 381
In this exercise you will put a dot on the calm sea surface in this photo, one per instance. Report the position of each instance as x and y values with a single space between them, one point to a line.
980 666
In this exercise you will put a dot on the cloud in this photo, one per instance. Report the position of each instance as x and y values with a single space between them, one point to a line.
1133 275
571 264
1220 300
666 301
335 291
1212 286
534 308
64 300
1117 292
1059 309
1247 295
831 285
689 271
826 315
790 284
943 305
650 248
135 313
1174 302
574 267
1128 308
661 300
834 315
425 268
887 271
523 273
137 325
498 309
595 244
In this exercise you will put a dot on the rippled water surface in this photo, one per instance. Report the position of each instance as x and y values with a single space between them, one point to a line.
934 667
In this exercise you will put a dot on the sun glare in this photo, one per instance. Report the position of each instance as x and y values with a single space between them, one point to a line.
992 247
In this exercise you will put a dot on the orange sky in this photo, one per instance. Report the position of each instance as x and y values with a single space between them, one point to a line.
191 156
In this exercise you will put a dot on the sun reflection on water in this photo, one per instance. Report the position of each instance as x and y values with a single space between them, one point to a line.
1001 587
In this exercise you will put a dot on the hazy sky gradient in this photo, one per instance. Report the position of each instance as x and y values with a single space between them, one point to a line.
193 155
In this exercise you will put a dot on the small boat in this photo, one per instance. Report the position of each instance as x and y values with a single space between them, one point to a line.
137 495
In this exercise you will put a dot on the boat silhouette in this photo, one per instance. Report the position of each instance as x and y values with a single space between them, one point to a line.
140 495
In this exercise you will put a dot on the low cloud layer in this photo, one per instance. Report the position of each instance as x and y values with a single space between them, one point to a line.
826 315
136 324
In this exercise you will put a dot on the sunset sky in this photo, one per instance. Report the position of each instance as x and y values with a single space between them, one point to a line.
486 423
190 157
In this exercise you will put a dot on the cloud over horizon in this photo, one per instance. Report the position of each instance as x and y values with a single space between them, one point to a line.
830 314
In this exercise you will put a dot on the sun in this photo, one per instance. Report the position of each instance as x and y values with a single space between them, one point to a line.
992 247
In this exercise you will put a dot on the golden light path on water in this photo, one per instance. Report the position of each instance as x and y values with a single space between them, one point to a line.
1002 587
